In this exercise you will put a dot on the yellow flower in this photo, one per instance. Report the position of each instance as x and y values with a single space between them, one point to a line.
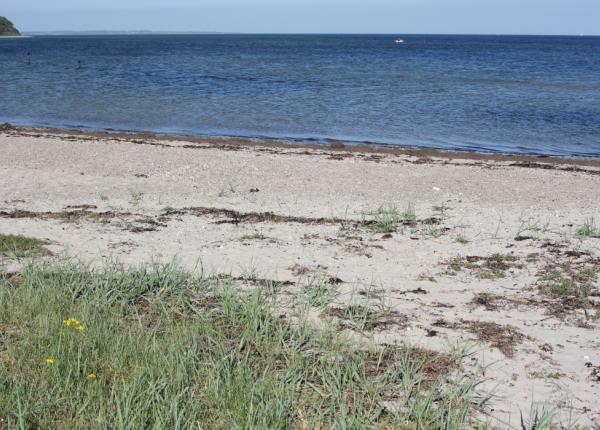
75 323
71 321
91 376
49 360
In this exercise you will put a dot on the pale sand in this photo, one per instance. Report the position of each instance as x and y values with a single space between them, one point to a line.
489 203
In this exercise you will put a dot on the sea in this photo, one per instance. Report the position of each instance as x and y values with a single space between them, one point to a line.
490 94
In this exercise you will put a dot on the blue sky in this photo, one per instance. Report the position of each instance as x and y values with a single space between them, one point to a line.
310 16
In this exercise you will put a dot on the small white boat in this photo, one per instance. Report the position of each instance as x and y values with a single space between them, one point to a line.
399 41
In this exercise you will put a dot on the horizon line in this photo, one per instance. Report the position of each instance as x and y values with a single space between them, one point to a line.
197 32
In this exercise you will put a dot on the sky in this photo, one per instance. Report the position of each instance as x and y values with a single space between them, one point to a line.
310 16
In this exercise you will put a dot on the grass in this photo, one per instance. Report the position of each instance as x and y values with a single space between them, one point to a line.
461 238
496 234
156 347
388 219
456 265
363 316
578 285
529 224
318 292
136 198
502 258
540 418
13 245
441 210
497 264
433 231
360 317
492 274
253 236
492 267
589 229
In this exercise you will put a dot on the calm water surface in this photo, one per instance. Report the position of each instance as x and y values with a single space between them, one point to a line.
486 93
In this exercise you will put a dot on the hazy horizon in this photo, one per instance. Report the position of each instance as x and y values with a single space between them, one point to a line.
197 32
472 17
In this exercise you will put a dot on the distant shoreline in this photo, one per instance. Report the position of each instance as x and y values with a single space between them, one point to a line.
201 33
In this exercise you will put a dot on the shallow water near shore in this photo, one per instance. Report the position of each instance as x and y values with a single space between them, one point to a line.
513 94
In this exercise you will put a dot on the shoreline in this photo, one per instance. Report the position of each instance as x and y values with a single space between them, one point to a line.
332 145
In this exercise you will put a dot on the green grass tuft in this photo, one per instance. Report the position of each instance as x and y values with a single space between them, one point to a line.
13 245
318 292
492 274
578 285
461 238
136 198
257 235
388 219
589 229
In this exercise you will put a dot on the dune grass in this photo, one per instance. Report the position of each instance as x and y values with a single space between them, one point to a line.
156 347
388 219
256 235
579 284
589 229
13 245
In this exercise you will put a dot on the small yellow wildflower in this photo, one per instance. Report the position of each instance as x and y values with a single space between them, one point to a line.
75 323
91 376
71 321
49 360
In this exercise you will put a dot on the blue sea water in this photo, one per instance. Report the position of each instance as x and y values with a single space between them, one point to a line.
513 94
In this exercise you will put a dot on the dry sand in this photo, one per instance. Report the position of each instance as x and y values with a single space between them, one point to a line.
294 213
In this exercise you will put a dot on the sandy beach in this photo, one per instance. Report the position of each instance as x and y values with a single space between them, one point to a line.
459 250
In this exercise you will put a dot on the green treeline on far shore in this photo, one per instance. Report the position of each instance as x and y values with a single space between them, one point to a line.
7 28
